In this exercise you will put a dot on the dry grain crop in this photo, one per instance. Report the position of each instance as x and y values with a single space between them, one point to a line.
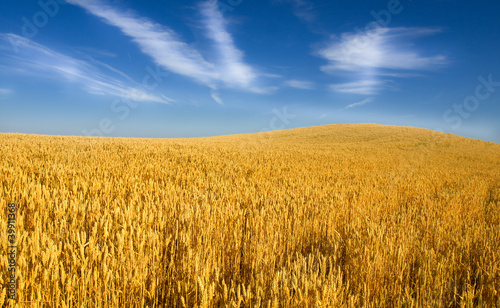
330 216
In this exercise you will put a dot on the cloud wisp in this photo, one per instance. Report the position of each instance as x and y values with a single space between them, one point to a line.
382 52
361 103
230 66
303 10
159 42
382 49
215 96
4 91
37 60
168 50
299 84
365 87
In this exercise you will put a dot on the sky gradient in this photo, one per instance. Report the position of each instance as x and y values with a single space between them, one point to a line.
201 68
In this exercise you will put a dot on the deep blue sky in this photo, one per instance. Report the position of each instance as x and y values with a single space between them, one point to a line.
200 68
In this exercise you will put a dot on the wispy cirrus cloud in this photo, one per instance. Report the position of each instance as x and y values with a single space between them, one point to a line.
361 103
215 96
4 91
366 87
303 9
230 66
381 49
299 84
34 59
96 52
381 52
168 49
161 43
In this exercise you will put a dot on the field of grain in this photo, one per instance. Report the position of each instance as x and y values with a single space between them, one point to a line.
331 216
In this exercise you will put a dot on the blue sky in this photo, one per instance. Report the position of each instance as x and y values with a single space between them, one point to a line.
200 68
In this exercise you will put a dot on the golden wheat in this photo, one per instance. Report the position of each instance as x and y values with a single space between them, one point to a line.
332 216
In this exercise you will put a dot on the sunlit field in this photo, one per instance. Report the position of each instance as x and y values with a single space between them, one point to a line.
330 216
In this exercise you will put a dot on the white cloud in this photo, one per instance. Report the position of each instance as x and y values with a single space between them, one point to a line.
159 42
366 87
168 49
378 50
96 52
34 59
215 96
300 84
264 90
231 68
303 10
4 91
361 103
269 75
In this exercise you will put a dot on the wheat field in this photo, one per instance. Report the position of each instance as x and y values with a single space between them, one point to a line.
332 216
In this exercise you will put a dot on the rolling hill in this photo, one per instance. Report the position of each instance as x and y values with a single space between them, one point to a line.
355 215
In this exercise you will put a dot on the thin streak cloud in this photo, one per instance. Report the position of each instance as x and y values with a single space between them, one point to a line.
300 84
168 50
365 87
37 60
361 103
159 42
382 52
303 10
215 96
379 50
230 66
